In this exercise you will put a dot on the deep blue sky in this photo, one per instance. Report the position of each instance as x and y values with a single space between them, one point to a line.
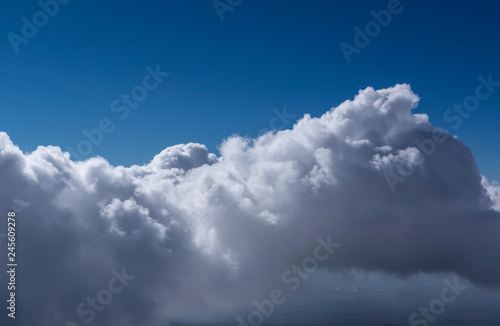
226 77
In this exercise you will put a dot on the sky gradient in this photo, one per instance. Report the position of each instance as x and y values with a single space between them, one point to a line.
196 161
227 76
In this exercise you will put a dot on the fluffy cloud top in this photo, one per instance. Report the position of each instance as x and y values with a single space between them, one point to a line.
205 235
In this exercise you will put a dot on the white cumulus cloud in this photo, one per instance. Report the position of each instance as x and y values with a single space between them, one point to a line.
205 235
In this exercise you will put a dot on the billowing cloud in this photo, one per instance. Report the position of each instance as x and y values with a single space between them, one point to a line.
493 190
201 235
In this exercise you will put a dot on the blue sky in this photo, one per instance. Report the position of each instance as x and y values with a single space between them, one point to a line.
227 76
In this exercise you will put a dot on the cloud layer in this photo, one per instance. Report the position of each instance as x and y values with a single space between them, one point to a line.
206 235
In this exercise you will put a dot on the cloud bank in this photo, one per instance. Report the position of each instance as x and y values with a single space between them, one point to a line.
206 235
